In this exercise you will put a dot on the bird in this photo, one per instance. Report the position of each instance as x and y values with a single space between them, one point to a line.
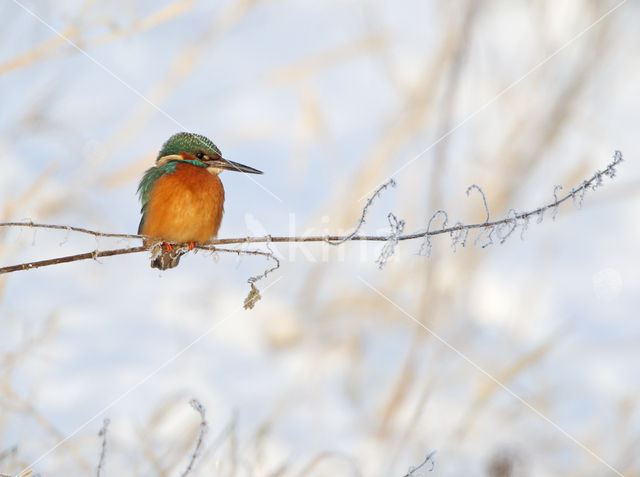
182 196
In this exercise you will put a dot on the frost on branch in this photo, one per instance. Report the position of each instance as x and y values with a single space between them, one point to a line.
103 449
363 216
484 199
486 232
427 246
504 228
428 459
202 431
556 189
397 227
203 428
459 236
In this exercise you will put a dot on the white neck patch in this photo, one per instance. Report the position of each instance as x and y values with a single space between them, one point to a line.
161 161
214 170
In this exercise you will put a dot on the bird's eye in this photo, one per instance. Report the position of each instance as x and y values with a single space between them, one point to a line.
199 155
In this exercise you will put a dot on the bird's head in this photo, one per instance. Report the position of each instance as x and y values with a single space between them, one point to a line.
186 146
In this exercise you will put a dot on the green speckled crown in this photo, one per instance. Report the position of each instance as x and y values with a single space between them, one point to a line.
189 142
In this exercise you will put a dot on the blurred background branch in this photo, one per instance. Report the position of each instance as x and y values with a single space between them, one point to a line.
324 378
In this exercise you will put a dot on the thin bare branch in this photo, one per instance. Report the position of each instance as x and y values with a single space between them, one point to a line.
254 294
11 451
71 258
397 227
484 199
203 428
427 459
556 189
365 209
69 228
103 450
426 247
458 232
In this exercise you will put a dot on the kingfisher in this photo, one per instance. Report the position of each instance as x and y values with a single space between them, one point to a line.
182 196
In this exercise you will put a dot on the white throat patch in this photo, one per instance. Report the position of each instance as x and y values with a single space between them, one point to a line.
161 161
214 170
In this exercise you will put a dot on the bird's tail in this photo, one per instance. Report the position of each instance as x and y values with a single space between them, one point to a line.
163 259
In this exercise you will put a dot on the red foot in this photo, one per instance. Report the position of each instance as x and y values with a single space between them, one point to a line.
191 245
167 246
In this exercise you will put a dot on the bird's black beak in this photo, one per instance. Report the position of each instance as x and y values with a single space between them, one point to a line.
221 163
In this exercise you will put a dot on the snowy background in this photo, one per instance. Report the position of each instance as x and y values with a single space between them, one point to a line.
519 359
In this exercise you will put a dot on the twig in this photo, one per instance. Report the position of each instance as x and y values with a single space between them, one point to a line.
428 458
365 209
8 452
425 248
204 427
70 258
103 451
397 227
270 255
254 294
30 223
456 231
484 199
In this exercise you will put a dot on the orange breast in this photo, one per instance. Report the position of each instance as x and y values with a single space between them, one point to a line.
185 206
